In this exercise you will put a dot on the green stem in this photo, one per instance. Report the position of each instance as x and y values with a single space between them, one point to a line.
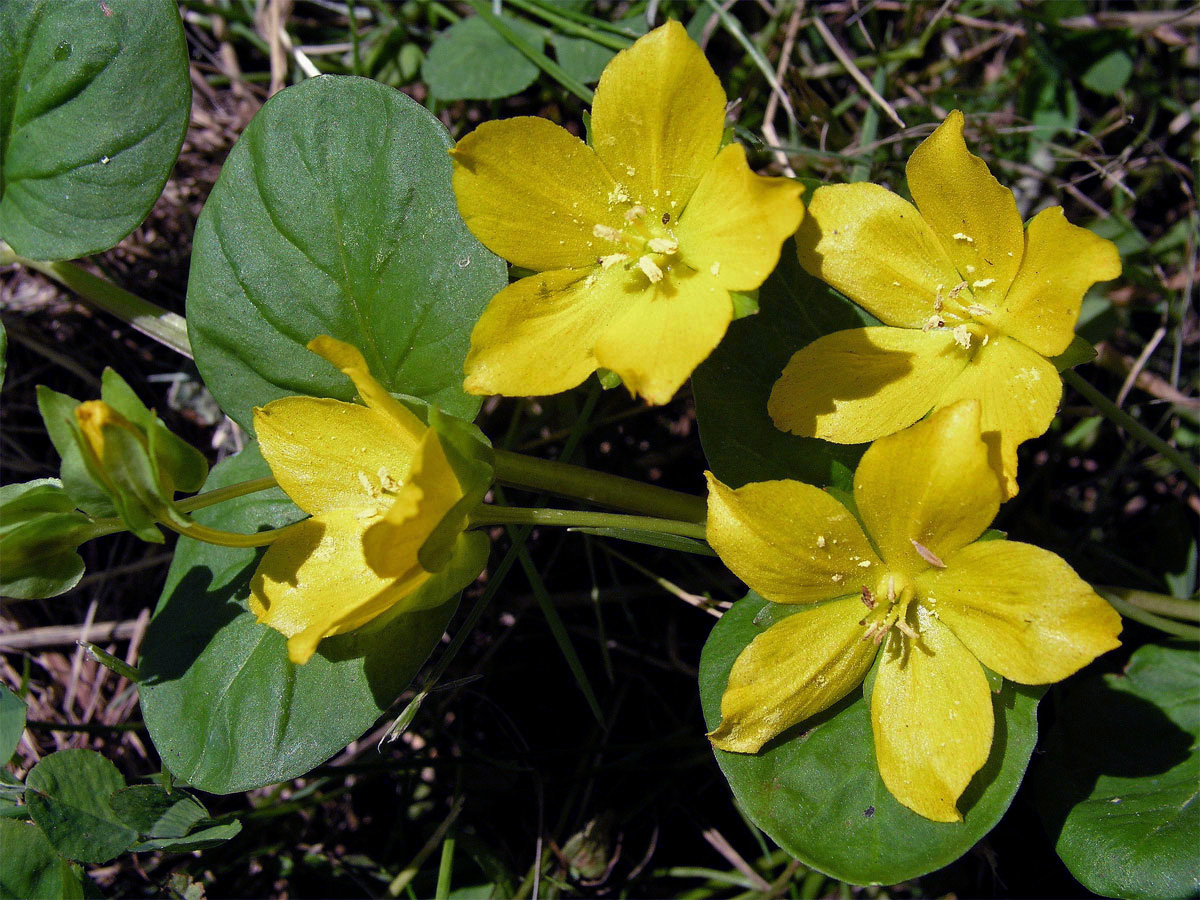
1170 626
574 518
223 538
167 328
566 480
229 492
570 26
1159 604
1122 419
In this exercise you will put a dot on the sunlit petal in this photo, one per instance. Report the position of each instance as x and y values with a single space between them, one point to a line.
537 336
1021 610
668 330
736 221
875 248
327 454
533 193
861 384
658 117
313 582
1018 392
789 541
931 484
931 715
799 666
1061 262
974 216
373 394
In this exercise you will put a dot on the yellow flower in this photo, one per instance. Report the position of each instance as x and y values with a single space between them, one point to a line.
638 239
376 482
975 304
912 586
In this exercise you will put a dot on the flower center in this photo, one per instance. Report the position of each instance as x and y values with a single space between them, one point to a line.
955 309
646 243
887 607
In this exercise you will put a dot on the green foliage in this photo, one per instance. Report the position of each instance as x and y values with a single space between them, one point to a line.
817 792
1117 787
225 707
740 441
68 796
169 819
94 103
12 722
334 215
470 60
39 532
30 867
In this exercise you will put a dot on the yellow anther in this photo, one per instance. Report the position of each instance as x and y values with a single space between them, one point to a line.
650 268
607 262
608 233
635 212
663 245
957 289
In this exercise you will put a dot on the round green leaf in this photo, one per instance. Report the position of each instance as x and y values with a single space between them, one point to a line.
225 707
29 867
334 215
1117 788
151 810
12 723
817 792
68 796
94 103
731 387
470 60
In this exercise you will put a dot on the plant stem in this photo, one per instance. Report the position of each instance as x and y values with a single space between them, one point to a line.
566 480
1122 419
167 328
1159 604
1170 626
573 518
208 535
229 492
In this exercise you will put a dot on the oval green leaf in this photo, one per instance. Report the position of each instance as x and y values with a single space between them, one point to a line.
226 709
470 60
12 723
1118 786
29 866
68 796
94 103
731 387
334 215
816 791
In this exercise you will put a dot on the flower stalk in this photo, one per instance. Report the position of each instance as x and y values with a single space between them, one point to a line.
572 518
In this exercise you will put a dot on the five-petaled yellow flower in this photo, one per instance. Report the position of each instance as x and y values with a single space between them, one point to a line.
912 586
639 239
376 482
973 304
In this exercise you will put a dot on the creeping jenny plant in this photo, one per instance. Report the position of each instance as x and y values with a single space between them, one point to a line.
911 587
377 483
973 304
638 239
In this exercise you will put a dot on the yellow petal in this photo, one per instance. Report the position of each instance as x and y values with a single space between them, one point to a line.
328 455
875 248
375 395
391 545
533 193
1018 392
797 667
537 336
789 541
668 330
1021 610
658 117
313 582
931 483
864 383
974 216
1061 262
931 714
736 221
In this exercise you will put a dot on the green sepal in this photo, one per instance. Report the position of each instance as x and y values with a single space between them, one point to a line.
745 303
38 538
58 414
1078 352
465 560
608 379
128 475
178 465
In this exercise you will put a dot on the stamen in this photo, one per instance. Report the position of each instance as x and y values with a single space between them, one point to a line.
635 212
868 598
904 628
976 310
932 323
608 233
607 262
928 555
962 337
958 289
650 268
663 245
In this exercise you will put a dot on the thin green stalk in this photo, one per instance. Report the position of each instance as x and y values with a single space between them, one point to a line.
1170 626
572 518
566 480
1122 419
229 492
445 869
570 26
167 328
1159 604
221 538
